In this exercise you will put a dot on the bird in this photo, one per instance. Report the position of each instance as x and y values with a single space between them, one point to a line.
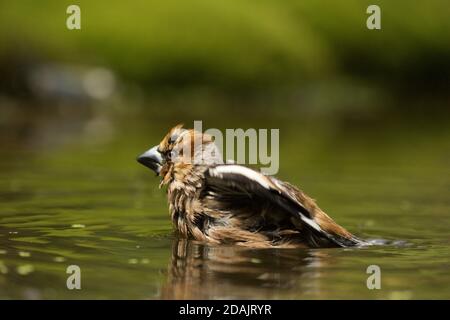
223 203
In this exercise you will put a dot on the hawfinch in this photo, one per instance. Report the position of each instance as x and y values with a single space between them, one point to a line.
232 204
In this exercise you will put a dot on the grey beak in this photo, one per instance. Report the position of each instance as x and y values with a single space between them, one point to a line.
151 159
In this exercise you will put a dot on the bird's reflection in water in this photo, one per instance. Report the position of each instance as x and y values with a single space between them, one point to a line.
199 271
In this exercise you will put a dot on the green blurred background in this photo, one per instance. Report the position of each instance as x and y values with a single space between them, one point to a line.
239 45
364 128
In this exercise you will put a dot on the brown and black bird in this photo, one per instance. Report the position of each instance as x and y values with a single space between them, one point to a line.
232 204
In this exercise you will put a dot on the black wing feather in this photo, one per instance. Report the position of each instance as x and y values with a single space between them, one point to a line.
234 180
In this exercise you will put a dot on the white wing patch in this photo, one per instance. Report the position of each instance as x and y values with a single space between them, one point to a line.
310 222
233 172
240 170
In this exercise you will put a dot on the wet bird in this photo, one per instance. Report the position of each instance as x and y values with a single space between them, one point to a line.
219 203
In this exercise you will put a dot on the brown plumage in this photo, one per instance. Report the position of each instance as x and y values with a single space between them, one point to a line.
231 204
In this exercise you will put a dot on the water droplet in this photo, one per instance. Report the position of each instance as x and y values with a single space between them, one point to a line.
78 225
133 261
25 269
24 254
59 259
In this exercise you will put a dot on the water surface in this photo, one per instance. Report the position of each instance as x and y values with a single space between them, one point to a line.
71 193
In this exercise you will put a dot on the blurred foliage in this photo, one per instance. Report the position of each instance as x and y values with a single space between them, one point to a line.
235 43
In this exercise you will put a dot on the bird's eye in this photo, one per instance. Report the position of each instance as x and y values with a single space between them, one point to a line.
164 153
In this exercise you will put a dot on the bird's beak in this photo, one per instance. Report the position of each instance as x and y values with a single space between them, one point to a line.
151 159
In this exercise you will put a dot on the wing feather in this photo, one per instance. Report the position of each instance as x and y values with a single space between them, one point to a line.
236 180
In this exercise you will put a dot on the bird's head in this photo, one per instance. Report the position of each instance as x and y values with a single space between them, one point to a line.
178 152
